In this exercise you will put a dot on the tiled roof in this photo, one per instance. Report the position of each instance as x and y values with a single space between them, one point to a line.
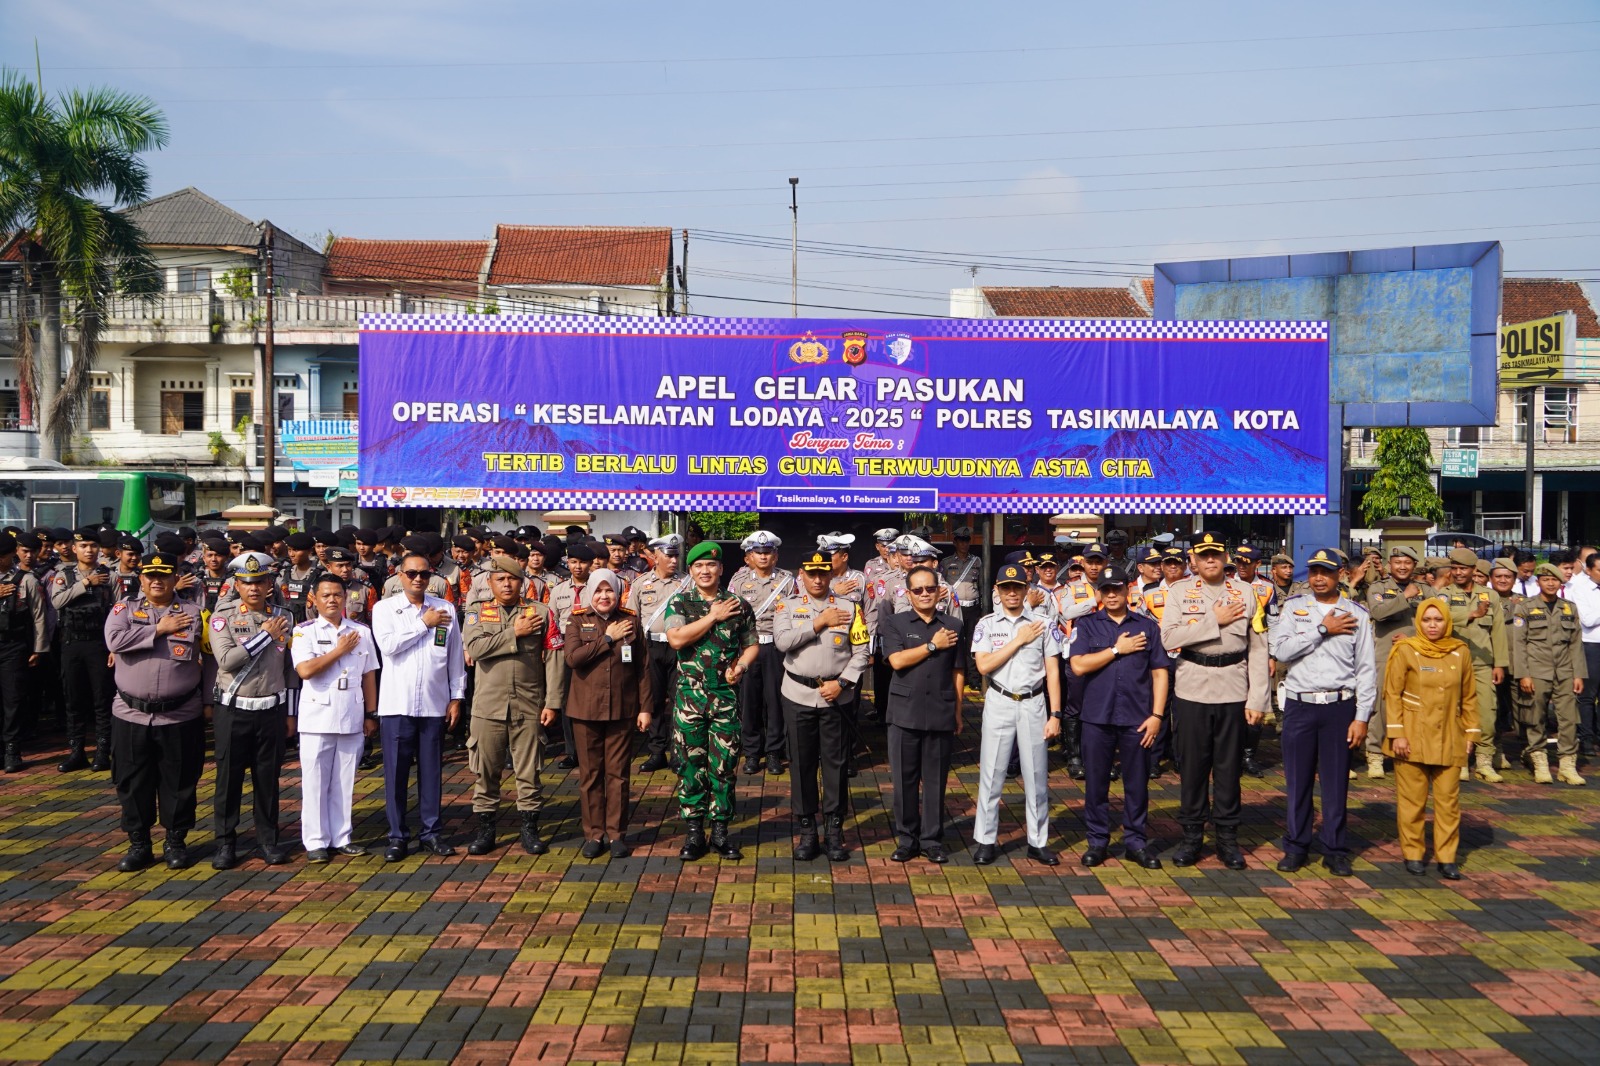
580 255
1056 301
354 257
189 217
1525 299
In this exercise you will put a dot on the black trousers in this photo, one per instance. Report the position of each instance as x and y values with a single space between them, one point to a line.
1208 738
663 674
14 685
919 764
87 688
880 683
1588 718
816 747
248 741
761 715
156 769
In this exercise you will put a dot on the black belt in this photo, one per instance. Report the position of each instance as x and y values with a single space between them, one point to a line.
1232 658
158 706
1018 696
809 682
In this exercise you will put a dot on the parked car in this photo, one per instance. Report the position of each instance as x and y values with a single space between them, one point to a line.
1482 547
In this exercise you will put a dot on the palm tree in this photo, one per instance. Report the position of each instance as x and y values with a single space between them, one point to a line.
59 159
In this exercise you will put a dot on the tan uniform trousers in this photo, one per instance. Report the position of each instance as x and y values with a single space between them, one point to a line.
491 744
1412 782
1530 709
1487 707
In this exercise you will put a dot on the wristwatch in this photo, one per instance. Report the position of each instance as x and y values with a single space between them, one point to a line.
933 649
846 684
1322 630
1115 651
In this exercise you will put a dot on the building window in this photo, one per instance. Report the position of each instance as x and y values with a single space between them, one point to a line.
100 409
1520 404
244 407
285 407
194 279
352 407
182 411
10 408
1468 436
1561 416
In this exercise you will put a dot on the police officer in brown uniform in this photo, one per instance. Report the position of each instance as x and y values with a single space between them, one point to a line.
1392 605
158 737
254 674
1221 685
1547 661
516 697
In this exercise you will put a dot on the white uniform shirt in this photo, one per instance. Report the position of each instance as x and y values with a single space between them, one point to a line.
324 706
1026 669
423 668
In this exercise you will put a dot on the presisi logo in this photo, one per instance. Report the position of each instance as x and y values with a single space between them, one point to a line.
397 494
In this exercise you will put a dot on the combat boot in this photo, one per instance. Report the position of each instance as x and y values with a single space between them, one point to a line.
102 753
1374 764
807 849
1251 766
175 849
75 760
694 845
1567 772
834 836
1187 853
1541 767
14 763
1228 849
532 843
1483 764
482 842
1074 733
722 845
139 854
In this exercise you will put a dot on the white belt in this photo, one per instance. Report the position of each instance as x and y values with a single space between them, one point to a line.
659 638
763 638
256 703
968 603
1333 696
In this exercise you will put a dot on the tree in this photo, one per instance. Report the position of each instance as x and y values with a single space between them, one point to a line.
1405 468
60 160
725 525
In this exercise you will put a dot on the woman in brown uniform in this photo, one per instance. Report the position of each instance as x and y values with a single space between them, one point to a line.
608 690
1431 718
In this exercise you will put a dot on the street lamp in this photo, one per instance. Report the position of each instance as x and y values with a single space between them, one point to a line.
794 247
1402 505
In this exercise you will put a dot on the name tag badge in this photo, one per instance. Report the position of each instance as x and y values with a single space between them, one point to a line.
439 635
627 653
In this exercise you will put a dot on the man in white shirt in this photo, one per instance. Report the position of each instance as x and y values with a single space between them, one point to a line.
1584 593
337 663
419 697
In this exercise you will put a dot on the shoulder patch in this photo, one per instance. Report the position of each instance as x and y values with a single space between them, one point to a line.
472 618
218 623
1517 622
119 607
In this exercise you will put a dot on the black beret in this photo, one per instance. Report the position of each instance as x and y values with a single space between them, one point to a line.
129 544
518 552
417 545
581 553
300 542
8 543
32 541
506 544
251 542
435 542
274 533
61 533
367 535
465 543
109 538
188 533
216 544
552 548
325 536
170 542
341 555
345 538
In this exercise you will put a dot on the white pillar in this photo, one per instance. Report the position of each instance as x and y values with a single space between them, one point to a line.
1538 509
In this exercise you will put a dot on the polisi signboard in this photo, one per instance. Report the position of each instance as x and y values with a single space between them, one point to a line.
1536 352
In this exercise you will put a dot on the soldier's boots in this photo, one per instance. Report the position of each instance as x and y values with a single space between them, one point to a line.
14 763
1251 765
1228 849
808 848
532 842
1483 764
720 843
1074 733
1567 773
1187 853
1540 761
102 753
482 842
1374 764
694 844
75 760
834 836
175 850
138 857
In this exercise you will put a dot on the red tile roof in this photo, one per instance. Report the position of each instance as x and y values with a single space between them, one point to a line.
580 255
1525 299
353 257
1056 301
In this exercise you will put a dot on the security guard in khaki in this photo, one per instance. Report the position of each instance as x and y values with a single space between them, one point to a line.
1477 619
516 696
1547 661
1392 605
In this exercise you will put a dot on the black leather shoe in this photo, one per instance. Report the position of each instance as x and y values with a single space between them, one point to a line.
592 849
751 766
1116 772
694 845
1144 857
176 852
1155 771
225 857
1095 856
395 852
1188 852
619 850
1449 871
983 854
1075 769
722 844
75 760
1043 856
567 762
1014 770
1290 863
1339 865
273 855
368 761
776 766
319 856
1231 855
14 763
1416 867
658 761
352 851
935 853
850 768
905 853
139 857
437 846
1251 766
102 758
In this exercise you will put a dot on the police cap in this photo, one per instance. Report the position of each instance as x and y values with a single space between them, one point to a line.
817 562
962 533
672 544
1096 551
1011 574
1209 543
1248 553
1462 557
1172 555
1045 559
761 541
1112 577
158 564
251 566
341 555
885 535
1324 559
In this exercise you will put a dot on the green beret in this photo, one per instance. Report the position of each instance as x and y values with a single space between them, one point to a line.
1549 570
505 564
706 549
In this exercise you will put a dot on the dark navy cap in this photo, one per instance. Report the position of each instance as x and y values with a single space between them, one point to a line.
1011 574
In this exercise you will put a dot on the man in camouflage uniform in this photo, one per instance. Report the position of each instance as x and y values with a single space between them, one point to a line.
1477 619
1392 605
714 633
1546 645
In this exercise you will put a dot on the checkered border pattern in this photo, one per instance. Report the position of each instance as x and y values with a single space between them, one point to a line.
544 499
959 328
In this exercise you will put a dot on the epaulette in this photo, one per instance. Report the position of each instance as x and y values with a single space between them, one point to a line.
620 610
309 622
580 610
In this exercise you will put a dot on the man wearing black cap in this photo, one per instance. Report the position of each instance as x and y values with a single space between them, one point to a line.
1125 670
158 737
1221 686
125 575
638 561
298 578
373 565
23 640
647 599
81 593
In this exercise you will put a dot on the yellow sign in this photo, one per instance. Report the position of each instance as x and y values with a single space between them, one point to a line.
1533 353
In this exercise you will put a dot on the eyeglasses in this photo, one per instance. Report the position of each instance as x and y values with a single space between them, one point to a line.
923 590
414 574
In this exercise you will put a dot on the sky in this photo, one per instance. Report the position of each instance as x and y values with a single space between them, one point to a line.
1039 143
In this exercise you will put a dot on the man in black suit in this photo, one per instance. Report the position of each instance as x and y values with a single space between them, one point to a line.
929 661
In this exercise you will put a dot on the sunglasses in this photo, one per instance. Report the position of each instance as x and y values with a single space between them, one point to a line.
414 574
923 590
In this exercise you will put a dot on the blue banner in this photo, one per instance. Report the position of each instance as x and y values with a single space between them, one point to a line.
966 415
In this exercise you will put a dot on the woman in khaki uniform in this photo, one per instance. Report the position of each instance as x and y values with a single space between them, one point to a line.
1431 723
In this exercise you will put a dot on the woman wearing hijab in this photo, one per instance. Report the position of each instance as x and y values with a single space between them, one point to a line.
1431 710
608 690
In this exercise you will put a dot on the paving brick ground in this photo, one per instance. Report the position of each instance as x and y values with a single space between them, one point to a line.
555 959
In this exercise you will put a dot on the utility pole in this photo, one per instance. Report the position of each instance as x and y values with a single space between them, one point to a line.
1527 474
269 391
683 271
794 247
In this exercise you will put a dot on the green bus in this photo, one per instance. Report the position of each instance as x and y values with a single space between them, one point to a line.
37 492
